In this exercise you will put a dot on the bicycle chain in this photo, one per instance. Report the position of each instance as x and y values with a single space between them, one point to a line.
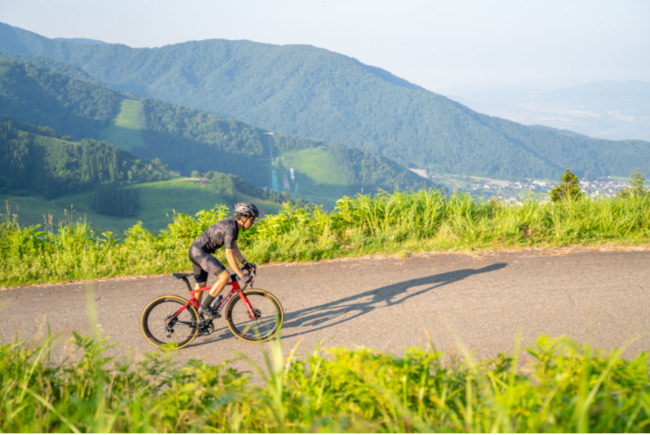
206 327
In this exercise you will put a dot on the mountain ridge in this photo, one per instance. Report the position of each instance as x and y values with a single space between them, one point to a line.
185 139
310 92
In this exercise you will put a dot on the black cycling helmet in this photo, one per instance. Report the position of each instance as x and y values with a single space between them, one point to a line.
247 209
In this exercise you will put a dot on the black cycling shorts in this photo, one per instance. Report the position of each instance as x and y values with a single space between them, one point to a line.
204 263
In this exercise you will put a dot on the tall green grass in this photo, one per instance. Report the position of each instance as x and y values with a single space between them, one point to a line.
396 223
558 385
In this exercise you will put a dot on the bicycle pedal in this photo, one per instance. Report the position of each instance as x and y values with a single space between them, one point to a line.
206 327
207 315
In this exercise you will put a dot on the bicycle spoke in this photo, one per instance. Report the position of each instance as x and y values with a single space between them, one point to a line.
266 320
162 324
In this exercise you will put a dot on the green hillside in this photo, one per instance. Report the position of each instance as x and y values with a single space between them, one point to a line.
315 93
159 202
319 163
185 139
47 180
36 160
126 128
326 172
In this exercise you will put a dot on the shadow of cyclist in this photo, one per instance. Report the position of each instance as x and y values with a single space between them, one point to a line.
333 313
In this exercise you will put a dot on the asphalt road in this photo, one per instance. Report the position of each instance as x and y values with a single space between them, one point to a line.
457 302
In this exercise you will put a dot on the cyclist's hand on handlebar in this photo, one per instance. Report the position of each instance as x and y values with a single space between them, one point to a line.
251 267
246 278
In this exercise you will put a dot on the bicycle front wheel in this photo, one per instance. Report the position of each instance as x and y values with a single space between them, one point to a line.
258 322
164 325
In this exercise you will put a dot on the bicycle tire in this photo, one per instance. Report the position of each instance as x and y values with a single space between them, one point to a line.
265 326
156 326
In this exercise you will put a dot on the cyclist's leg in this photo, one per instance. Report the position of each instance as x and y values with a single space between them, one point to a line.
222 280
197 286
200 274
205 263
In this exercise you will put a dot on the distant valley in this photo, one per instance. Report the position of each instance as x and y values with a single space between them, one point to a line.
250 120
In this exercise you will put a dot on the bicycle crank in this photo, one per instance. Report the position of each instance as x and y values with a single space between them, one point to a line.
206 327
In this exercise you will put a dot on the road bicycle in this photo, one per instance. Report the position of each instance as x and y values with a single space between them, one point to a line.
252 315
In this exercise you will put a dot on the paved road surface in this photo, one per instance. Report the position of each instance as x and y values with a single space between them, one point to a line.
476 302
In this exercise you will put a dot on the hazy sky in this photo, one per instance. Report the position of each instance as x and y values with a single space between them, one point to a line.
440 45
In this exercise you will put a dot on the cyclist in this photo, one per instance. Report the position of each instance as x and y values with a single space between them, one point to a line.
223 233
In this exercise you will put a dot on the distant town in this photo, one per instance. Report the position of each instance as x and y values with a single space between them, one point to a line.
516 191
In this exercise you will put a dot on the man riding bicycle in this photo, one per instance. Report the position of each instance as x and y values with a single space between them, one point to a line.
223 233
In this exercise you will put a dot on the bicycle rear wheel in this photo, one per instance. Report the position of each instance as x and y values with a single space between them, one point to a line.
266 320
163 325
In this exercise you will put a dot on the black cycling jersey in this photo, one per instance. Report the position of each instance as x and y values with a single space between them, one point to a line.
223 233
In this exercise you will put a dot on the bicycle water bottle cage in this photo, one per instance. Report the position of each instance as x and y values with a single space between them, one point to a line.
215 303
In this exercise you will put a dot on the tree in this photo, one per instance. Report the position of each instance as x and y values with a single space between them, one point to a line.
636 188
114 200
568 189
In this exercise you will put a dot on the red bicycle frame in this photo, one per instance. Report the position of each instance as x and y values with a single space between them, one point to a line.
234 288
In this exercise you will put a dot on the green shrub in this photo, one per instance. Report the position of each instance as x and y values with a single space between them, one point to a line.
385 223
562 386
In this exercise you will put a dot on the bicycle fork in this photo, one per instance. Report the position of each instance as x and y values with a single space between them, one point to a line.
242 296
254 315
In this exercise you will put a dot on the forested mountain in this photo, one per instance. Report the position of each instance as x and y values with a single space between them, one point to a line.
185 139
311 92
67 105
38 161
50 64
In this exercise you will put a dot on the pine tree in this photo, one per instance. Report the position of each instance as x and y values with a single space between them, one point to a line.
568 189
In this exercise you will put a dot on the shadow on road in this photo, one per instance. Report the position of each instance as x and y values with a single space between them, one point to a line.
334 313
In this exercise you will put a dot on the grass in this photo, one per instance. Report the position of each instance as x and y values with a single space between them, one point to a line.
398 223
126 131
160 201
31 210
319 178
557 385
318 163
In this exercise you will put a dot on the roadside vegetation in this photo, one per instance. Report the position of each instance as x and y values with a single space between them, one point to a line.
556 385
399 223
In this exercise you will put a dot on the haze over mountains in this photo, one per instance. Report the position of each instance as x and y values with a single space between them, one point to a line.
605 110
314 93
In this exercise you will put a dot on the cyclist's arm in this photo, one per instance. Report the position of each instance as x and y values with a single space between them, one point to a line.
232 255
